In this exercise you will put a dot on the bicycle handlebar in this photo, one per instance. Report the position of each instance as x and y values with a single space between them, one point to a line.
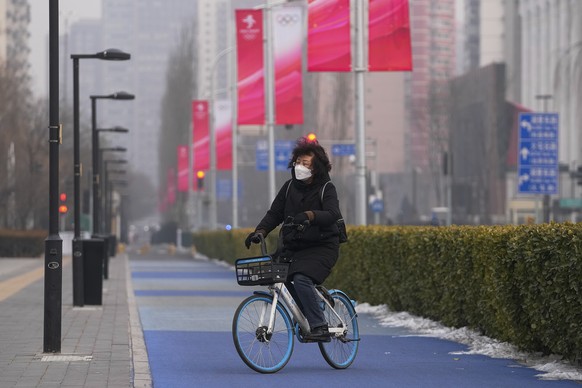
263 243
287 224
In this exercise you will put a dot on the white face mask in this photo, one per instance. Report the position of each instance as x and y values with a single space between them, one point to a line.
302 173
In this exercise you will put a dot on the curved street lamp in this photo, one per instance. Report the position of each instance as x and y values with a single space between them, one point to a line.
111 54
107 190
113 129
103 164
95 148
114 149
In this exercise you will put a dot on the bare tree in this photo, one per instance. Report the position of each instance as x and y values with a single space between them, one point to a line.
142 194
31 182
176 111
15 108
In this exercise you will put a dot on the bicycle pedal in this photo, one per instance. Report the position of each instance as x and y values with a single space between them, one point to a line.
312 341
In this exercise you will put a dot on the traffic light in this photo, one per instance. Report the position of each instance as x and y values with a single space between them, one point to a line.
63 203
200 179
579 176
311 137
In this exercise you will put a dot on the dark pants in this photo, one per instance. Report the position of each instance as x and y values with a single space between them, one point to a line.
303 291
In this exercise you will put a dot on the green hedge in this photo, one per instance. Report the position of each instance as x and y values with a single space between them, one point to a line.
20 243
229 245
520 284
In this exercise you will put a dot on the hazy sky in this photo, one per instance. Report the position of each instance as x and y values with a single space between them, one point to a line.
69 10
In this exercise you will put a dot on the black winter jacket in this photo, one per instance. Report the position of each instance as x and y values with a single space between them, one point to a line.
315 251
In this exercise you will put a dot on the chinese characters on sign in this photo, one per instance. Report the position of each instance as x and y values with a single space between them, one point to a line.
538 153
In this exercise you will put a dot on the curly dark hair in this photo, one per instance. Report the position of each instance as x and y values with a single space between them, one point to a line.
320 163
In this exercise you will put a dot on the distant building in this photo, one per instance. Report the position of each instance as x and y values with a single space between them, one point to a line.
83 37
433 51
551 71
215 37
149 30
480 137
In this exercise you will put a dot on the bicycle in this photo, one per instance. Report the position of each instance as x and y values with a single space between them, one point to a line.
265 323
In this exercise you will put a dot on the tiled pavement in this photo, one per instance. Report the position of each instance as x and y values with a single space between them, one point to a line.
102 346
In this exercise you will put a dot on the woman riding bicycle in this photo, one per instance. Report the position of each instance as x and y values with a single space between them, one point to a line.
312 245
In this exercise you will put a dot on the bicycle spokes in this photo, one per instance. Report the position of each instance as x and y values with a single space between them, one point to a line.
342 350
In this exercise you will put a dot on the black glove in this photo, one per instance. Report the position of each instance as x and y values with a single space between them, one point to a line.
301 218
253 237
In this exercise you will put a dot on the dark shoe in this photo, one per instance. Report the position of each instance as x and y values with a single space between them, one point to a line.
319 334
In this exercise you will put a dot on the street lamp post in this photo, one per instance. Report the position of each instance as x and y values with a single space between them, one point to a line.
106 225
104 169
95 149
109 190
109 55
212 134
97 202
53 253
112 185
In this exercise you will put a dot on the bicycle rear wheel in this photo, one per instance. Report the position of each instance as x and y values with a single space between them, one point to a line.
261 351
342 350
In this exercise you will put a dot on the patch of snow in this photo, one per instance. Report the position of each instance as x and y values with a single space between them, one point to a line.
553 367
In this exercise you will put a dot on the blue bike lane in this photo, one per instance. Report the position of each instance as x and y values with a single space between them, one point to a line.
186 308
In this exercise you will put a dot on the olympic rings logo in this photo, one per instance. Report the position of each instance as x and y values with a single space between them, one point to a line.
287 19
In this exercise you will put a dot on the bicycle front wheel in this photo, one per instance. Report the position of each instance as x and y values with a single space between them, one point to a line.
342 350
262 351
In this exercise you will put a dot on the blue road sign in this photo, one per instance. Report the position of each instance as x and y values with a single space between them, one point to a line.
538 153
283 150
377 205
223 189
343 149
262 155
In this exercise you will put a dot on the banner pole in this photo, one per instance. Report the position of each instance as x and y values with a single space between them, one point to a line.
360 118
270 101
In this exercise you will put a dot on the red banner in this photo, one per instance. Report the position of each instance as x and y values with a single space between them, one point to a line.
328 39
182 162
250 67
200 136
287 53
223 130
389 46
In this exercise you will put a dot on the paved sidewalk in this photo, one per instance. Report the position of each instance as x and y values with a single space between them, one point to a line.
102 346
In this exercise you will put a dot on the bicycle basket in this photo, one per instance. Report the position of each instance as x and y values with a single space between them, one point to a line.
260 271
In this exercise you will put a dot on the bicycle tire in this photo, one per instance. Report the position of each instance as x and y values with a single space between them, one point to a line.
260 352
341 352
